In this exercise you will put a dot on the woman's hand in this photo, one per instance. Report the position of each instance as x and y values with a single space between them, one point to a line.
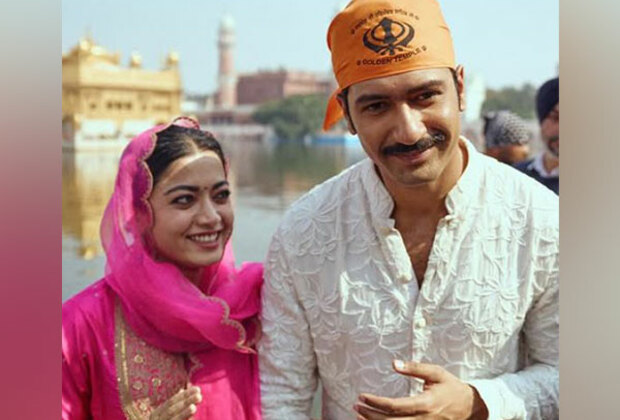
180 406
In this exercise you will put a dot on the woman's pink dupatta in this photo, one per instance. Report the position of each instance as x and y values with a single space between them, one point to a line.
216 322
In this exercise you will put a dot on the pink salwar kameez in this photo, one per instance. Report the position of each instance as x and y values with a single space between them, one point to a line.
143 332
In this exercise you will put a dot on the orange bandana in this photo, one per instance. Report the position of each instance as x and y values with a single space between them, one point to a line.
377 38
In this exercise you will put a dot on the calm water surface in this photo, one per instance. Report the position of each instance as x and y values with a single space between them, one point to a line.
265 179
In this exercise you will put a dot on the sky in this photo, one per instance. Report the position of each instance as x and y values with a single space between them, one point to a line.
505 42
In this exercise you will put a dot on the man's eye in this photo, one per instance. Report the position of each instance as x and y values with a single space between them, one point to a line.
375 107
425 96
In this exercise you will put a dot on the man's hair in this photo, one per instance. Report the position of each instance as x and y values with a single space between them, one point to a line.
344 95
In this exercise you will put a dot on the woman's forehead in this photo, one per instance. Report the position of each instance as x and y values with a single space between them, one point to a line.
205 165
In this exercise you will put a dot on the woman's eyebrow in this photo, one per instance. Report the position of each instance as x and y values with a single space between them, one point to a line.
219 184
191 188
194 188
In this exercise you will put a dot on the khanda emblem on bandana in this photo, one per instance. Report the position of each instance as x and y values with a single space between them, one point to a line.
388 36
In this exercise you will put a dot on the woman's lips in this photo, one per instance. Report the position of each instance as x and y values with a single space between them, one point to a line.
205 240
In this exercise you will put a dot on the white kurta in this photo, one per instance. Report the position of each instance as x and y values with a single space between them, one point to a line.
341 300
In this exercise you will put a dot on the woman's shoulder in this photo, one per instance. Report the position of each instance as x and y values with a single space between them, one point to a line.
92 306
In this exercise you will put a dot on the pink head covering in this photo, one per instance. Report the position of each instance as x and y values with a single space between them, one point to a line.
161 305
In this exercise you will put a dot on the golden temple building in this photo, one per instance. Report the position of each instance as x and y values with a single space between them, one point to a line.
105 104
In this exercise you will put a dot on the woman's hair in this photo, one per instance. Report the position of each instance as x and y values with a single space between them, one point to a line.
176 142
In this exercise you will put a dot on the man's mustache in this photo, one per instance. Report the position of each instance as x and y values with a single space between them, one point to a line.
421 145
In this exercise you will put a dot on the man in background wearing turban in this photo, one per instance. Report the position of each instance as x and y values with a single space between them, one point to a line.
423 281
545 167
506 137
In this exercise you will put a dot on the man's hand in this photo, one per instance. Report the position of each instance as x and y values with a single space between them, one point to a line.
180 406
444 397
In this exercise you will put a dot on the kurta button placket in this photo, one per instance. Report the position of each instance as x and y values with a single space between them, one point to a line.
417 386
420 323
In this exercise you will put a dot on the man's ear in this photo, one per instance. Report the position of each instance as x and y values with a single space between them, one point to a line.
460 86
347 116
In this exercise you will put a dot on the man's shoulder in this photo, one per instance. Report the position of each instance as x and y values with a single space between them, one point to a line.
521 192
523 165
324 199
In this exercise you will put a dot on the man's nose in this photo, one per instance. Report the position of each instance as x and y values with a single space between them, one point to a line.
408 126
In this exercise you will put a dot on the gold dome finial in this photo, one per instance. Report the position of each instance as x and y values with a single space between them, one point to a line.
135 61
172 60
86 44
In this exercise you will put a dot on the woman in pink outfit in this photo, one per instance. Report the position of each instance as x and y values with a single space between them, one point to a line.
169 332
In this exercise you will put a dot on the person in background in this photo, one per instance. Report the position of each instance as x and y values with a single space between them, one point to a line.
423 281
545 168
169 332
506 137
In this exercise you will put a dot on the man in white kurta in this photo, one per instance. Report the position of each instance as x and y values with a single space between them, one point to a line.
342 300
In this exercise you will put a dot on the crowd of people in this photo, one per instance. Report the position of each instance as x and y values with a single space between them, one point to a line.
507 138
419 283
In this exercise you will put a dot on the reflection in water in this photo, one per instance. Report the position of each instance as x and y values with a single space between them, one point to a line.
87 184
265 179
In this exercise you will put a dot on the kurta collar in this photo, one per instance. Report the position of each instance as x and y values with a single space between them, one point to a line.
538 164
467 188
458 199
